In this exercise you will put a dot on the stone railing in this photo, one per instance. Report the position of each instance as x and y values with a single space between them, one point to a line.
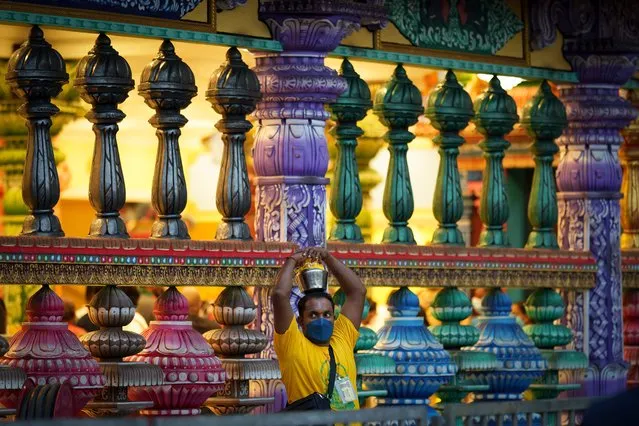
290 199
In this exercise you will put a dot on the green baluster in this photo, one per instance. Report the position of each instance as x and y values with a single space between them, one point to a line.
544 307
346 191
544 119
495 116
451 306
449 110
398 104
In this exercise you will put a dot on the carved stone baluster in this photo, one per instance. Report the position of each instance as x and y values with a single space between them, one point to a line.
544 119
449 110
49 353
346 193
519 361
399 105
451 306
111 309
422 363
192 372
168 85
544 307
36 73
233 91
233 309
629 156
104 80
495 116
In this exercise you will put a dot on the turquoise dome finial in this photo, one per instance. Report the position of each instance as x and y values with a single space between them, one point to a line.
403 303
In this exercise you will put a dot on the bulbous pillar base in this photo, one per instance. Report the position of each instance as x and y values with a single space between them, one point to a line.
233 230
448 235
398 234
346 231
490 237
170 228
42 224
542 239
108 227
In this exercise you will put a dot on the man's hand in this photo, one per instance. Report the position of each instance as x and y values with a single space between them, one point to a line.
317 253
299 257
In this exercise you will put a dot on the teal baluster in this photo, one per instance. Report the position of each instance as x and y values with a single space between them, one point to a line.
495 116
398 104
346 191
544 307
451 306
544 119
449 110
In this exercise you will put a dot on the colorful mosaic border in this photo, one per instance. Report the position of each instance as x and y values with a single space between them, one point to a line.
213 263
630 268
429 266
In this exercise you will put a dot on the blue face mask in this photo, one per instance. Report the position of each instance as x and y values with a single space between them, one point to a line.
319 331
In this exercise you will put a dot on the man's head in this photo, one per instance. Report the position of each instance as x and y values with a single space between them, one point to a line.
316 316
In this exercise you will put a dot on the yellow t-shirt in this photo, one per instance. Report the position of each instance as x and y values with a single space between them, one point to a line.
305 365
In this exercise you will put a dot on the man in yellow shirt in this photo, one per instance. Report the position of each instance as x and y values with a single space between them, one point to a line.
304 354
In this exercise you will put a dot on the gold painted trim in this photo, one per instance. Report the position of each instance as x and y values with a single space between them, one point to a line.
117 17
472 278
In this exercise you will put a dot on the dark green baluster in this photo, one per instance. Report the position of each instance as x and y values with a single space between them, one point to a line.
233 91
495 116
346 191
449 110
399 105
544 119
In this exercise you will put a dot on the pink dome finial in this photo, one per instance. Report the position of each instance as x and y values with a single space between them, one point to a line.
171 306
45 306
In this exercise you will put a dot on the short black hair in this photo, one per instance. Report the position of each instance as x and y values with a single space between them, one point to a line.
301 304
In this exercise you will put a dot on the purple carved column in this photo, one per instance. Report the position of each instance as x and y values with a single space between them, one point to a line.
589 183
290 153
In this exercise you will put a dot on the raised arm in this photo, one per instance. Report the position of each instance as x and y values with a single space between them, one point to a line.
349 282
282 292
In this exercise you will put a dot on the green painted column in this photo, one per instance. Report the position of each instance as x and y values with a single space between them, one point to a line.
449 110
495 116
399 105
544 119
346 191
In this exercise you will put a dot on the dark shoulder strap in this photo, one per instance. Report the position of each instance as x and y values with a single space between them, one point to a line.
331 374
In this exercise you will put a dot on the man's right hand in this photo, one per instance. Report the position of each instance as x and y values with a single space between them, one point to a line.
298 257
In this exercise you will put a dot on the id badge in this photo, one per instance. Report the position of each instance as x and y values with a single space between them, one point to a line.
345 390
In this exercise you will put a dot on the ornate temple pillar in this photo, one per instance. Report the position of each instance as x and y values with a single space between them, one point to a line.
601 43
589 183
290 154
